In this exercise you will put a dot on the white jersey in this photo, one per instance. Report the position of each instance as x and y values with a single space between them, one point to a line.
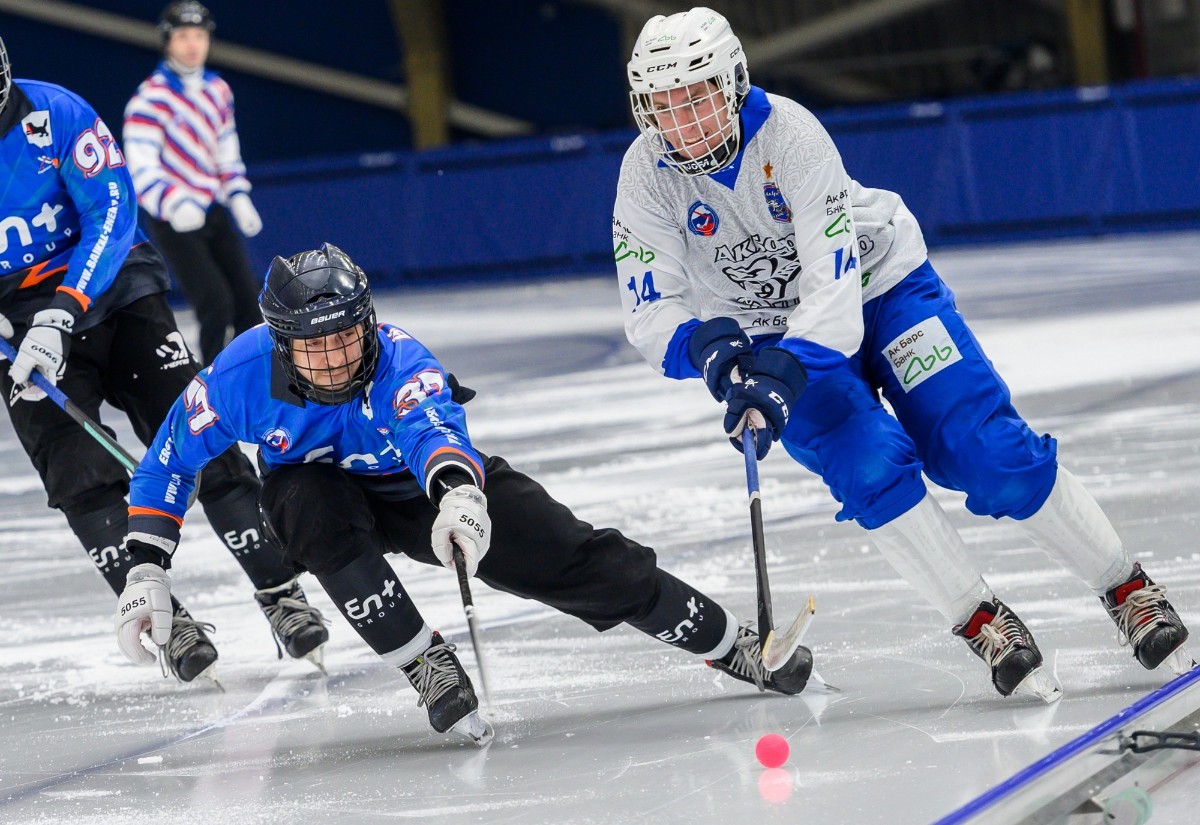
783 241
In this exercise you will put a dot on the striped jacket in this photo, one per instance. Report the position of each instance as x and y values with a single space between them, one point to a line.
181 143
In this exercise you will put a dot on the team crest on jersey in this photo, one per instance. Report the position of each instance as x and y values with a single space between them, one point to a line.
776 204
279 438
702 219
397 334
36 126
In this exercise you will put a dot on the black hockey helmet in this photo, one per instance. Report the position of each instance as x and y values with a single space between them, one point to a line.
312 295
5 75
187 13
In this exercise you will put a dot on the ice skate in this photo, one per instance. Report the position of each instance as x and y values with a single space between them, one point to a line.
744 662
447 693
1148 623
298 627
1005 644
189 653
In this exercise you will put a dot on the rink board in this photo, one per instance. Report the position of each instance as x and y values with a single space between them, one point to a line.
1082 775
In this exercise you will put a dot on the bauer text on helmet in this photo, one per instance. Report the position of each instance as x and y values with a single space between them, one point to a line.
688 78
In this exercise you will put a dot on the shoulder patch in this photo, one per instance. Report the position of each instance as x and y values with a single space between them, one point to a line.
36 126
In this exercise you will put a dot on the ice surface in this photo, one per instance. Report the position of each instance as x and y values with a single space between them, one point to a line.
1098 340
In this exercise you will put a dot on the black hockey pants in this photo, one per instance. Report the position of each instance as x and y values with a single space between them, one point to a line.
539 550
211 268
137 361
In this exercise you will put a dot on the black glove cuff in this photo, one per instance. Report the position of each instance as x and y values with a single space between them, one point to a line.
445 481
147 554
66 302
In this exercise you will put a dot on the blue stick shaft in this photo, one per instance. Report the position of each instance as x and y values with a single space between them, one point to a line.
766 622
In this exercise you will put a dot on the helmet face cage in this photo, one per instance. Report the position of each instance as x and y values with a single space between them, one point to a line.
318 308
694 129
330 369
5 75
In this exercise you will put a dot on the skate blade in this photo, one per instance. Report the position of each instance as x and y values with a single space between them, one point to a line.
209 674
317 657
816 682
476 728
1041 684
1180 661
779 647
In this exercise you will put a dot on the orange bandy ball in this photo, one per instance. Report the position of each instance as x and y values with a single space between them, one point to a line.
772 750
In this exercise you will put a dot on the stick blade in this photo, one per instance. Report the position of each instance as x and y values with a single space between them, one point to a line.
779 647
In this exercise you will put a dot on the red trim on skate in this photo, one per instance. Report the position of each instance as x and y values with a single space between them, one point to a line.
982 616
1131 586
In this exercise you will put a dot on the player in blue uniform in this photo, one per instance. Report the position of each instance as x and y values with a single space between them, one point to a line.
365 451
82 293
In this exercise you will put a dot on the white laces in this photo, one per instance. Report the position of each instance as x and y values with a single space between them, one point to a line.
1139 614
998 637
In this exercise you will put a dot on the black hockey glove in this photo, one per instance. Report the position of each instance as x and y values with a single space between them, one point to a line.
716 347
765 397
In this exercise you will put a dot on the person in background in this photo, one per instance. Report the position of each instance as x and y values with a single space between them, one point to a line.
182 147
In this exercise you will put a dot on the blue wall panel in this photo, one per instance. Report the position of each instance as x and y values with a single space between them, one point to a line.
1018 167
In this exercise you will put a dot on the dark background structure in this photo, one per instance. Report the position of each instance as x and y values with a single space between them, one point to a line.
314 77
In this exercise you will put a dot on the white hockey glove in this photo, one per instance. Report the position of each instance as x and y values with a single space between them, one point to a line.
245 215
44 349
188 217
6 330
145 605
464 521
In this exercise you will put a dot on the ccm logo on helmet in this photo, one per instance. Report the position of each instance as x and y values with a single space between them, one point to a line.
322 318
661 67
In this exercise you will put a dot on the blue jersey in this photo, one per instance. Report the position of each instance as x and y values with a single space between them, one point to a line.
68 214
400 430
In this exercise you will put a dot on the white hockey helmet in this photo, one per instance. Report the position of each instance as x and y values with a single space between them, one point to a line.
678 52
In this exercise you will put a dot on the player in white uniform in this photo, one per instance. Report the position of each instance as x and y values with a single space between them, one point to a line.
747 256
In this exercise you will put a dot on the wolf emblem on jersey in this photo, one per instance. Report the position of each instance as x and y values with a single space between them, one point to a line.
702 219
36 126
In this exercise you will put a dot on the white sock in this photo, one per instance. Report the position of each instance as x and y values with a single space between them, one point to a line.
409 650
930 554
1074 531
726 643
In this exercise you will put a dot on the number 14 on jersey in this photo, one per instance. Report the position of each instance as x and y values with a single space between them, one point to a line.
647 293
